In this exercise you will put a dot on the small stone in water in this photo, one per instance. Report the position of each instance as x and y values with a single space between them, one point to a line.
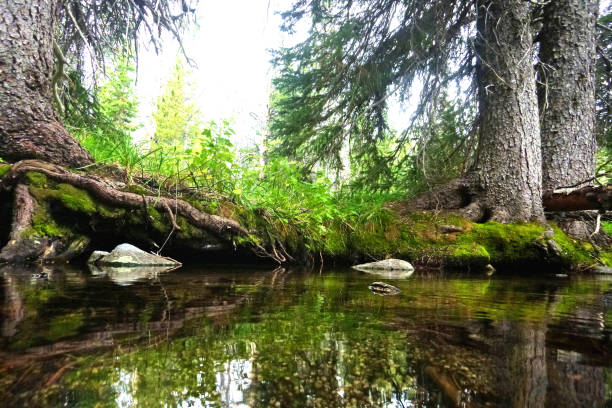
382 288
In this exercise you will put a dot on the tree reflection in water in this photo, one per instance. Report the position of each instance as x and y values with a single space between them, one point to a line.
256 338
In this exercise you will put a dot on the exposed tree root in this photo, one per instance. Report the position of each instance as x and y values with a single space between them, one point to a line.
460 196
463 197
222 228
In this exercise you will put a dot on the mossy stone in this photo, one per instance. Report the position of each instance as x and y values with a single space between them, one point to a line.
469 255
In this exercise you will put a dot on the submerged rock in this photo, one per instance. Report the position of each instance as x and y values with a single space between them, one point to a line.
389 268
130 256
384 289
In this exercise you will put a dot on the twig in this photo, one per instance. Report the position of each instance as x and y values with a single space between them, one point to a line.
597 225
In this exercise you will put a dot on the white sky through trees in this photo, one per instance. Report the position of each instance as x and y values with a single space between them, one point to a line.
232 77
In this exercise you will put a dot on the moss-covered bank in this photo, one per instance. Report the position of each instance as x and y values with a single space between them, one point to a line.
78 221
81 222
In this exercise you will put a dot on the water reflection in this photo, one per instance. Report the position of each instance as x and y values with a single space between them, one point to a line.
258 338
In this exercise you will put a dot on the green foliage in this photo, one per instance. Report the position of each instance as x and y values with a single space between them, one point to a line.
4 168
106 128
176 117
333 88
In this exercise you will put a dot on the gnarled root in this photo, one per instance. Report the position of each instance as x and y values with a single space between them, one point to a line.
220 227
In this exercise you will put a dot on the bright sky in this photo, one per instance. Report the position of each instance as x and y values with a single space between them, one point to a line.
233 71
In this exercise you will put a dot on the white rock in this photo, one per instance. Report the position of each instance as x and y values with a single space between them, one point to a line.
131 256
389 268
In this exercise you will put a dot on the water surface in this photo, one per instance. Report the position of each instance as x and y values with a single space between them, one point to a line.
206 337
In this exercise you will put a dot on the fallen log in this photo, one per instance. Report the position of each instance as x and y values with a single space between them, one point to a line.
579 199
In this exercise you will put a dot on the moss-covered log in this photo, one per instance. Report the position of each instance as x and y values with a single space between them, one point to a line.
41 232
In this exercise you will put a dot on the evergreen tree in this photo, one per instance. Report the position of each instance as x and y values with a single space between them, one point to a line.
117 97
177 119
107 125
336 85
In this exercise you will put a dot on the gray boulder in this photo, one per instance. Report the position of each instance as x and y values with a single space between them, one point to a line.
389 268
130 256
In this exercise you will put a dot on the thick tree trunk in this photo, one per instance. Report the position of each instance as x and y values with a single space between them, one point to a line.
29 127
567 91
509 159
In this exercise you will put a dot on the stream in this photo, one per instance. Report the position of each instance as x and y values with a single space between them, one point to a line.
204 336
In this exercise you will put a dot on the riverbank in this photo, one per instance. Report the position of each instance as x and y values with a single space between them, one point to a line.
70 219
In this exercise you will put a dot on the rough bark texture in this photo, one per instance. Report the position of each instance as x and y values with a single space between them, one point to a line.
509 160
29 127
567 91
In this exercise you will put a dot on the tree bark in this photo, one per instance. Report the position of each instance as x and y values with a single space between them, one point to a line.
566 73
509 163
29 127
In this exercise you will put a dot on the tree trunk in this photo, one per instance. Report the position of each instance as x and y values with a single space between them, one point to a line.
567 91
509 159
29 127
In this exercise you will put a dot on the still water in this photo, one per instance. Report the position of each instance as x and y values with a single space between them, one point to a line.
206 337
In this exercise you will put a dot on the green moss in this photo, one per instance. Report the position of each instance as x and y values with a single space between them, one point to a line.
107 211
4 168
469 255
606 257
44 225
574 252
136 189
188 231
607 227
35 179
417 236
75 198
158 221
506 243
